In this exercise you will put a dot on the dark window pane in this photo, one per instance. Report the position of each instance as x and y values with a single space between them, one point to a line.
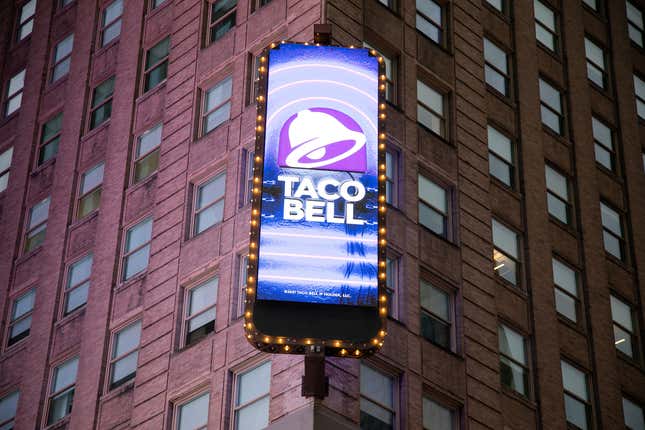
513 376
435 330
156 76
48 151
100 115
576 411
60 406
146 166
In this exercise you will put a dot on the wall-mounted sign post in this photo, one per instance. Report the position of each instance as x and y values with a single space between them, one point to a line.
316 273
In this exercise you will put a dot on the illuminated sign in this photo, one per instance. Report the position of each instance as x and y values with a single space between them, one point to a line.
317 232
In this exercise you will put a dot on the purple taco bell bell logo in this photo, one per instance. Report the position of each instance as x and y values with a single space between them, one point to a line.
322 138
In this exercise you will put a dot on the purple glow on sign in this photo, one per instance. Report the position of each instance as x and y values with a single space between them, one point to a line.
322 138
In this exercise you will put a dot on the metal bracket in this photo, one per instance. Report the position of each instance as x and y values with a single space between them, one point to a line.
314 382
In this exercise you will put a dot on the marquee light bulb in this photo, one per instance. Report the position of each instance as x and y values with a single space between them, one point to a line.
382 275
382 231
260 98
263 59
250 278
375 341
381 136
380 59
384 298
381 87
381 146
286 348
383 311
266 339
337 344
357 352
382 333
258 128
382 116
343 351
259 117
249 290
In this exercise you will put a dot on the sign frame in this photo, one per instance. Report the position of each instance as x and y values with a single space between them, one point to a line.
298 345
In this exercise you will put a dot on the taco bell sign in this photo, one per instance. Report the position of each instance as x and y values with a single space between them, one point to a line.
319 214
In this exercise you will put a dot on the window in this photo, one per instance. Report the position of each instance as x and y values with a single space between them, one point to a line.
392 285
125 352
496 67
61 394
156 3
378 409
433 206
20 323
512 361
392 177
390 74
201 310
634 23
499 5
437 417
50 139
64 3
252 398
90 191
639 88
101 103
253 79
576 396
436 315
247 176
26 19
137 248
388 3
8 408
593 4
37 225
430 20
551 107
156 64
147 153
217 105
595 63
624 338
209 204
5 167
633 415
193 415
557 195
242 275
62 58
14 93
612 231
565 280
603 144
78 284
430 111
257 4
545 30
222 18
505 252
111 22
500 157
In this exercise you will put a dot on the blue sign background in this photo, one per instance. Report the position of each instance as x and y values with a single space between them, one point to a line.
310 261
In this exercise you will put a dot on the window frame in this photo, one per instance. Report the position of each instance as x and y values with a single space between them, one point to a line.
111 362
210 24
126 254
441 27
637 98
517 261
394 153
613 155
492 153
107 100
29 229
443 118
601 68
560 115
506 75
447 215
82 195
42 144
103 26
557 288
235 391
621 239
52 382
241 283
567 203
633 333
394 259
187 317
252 78
554 33
12 322
247 166
18 93
257 5
146 71
20 24
430 280
525 366
634 402
396 392
179 404
67 289
195 212
55 63
440 399
6 171
587 403
631 24
12 391
391 82
136 159
203 114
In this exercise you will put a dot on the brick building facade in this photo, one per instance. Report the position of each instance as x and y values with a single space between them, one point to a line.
516 178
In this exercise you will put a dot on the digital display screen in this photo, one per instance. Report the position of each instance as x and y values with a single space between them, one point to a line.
318 235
